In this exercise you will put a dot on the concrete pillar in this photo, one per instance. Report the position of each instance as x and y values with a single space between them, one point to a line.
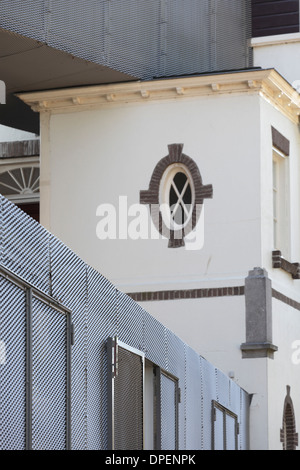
258 298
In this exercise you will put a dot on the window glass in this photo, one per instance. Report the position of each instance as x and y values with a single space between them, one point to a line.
178 195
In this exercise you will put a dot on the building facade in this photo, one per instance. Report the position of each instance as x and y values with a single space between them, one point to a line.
229 283
182 188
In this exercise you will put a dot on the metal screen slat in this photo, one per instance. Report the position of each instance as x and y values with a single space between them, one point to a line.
101 322
130 320
25 246
67 270
208 393
219 430
12 367
230 433
156 38
168 413
193 402
128 402
49 378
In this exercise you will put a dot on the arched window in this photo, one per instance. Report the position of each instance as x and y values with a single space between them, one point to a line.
21 186
288 435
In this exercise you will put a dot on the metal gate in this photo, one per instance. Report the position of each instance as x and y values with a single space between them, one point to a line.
35 368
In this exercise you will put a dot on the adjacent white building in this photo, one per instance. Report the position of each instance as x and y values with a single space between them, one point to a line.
184 192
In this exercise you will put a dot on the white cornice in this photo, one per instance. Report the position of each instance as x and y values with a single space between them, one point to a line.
268 83
275 40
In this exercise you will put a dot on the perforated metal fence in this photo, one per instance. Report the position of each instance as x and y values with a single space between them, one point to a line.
145 39
57 369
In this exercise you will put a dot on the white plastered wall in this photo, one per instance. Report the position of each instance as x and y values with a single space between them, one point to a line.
93 157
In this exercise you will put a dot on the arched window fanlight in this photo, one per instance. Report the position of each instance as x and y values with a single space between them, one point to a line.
21 184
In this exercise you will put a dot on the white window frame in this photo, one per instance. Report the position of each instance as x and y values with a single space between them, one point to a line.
165 186
10 164
281 202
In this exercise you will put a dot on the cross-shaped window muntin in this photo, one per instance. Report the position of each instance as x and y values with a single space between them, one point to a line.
177 196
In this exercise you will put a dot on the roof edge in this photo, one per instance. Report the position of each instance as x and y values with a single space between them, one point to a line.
268 83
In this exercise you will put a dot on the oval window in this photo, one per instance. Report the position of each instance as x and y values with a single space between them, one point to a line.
177 196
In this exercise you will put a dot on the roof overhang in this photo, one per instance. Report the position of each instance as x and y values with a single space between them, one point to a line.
29 65
267 83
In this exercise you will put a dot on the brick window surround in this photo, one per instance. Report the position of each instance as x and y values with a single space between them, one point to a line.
151 196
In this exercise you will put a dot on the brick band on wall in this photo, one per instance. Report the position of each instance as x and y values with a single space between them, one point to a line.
286 300
187 293
204 293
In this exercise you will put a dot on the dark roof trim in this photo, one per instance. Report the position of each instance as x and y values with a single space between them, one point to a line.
24 148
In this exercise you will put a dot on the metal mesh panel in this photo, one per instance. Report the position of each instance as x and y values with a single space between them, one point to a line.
49 370
128 402
176 365
130 321
168 413
244 420
155 341
227 40
208 393
89 41
230 424
25 246
187 31
193 402
219 430
12 367
99 311
101 323
234 397
143 39
69 285
137 28
222 388
23 17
